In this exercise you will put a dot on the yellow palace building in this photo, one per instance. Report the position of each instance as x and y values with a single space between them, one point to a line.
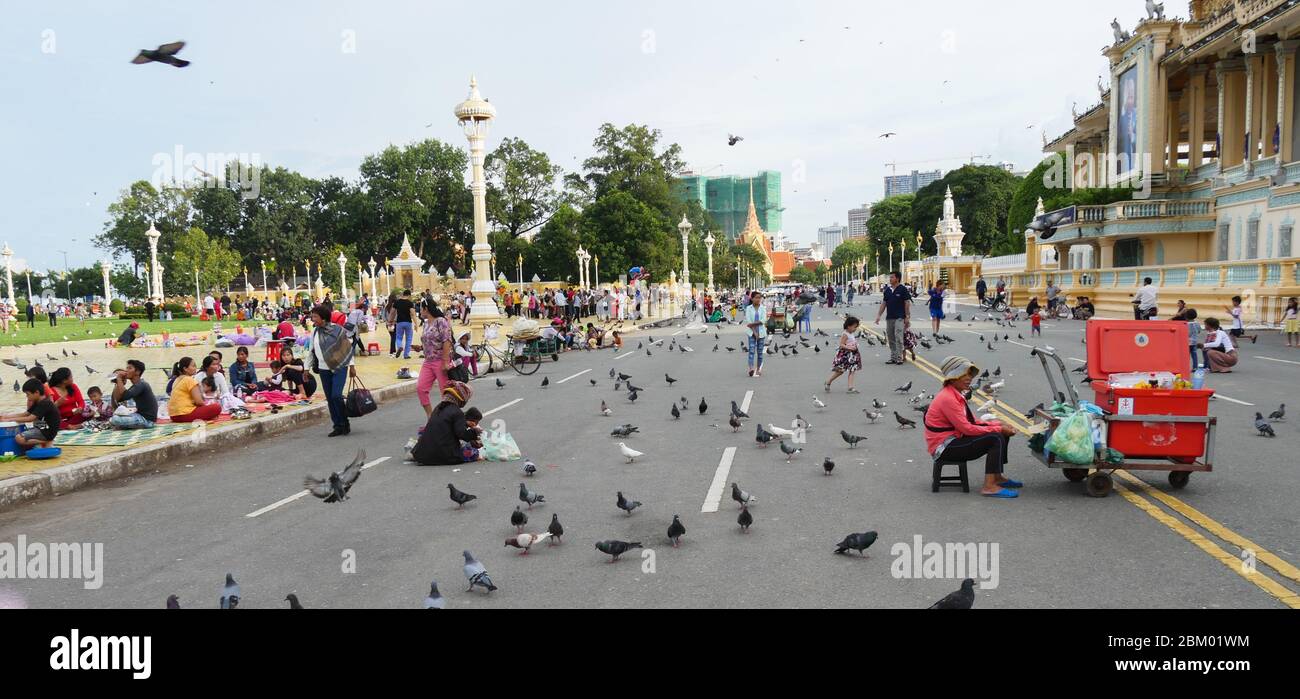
1200 120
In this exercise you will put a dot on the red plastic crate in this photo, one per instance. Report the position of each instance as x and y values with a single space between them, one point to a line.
1124 346
1181 440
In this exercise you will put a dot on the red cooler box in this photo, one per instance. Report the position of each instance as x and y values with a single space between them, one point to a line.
1128 346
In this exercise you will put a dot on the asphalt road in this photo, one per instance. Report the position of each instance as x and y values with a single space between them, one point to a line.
180 530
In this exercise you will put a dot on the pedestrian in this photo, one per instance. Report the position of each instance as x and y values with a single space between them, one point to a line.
1291 323
404 322
848 359
1181 312
756 321
435 343
936 305
1193 334
31 314
1036 323
331 359
953 434
981 289
897 309
1238 327
440 442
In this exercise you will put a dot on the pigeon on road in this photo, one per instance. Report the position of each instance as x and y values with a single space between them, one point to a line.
677 414
528 496
458 497
624 431
704 407
676 530
764 437
230 593
546 381
529 468
961 599
745 520
1265 429
789 450
434 600
525 541
734 422
904 423
614 548
335 488
856 542
741 496
735 410
476 574
629 453
851 440
626 505
518 519
173 602
828 465
556 530
292 599
906 388
1279 414
670 380
872 415
817 403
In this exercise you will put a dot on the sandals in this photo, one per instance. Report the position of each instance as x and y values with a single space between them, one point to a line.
1003 494
1008 483
853 390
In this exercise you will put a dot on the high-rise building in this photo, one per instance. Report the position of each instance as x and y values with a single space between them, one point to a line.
726 198
858 219
910 184
831 236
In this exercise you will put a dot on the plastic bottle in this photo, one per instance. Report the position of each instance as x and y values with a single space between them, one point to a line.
1198 379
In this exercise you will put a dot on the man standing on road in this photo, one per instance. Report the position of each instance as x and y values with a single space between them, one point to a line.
1052 291
756 321
1144 301
897 307
981 289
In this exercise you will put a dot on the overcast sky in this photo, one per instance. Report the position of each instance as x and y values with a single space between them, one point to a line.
809 84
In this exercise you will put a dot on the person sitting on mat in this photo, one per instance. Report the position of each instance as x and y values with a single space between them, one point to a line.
41 413
953 433
186 403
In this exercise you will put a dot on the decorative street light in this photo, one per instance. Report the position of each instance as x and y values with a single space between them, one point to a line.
197 299
685 228
104 266
737 273
9 271
155 279
708 244
891 257
373 291
596 259
520 263
344 293
475 116
580 280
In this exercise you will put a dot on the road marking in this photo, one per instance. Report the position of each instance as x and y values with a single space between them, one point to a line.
625 355
744 404
584 371
679 332
714 498
1233 400
1283 361
507 405
1076 359
305 492
1019 344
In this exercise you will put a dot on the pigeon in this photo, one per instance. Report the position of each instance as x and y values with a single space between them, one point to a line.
624 431
546 381
335 488
704 407
1279 414
670 380
627 505
764 437
851 440
163 54
856 542
65 354
961 599
733 421
476 574
745 520
715 348
677 414
434 600
990 347
780 432
556 530
878 404
872 415
230 593
828 465
604 409
17 388
818 403
593 382
1265 429
518 519
529 468
623 377
631 397
634 389
614 548
733 140
173 602
741 496
525 541
904 423
292 599
528 496
731 349
802 423
53 358
612 372
458 497
629 453
676 530
685 403
15 364
89 370
906 388
789 450
500 384
735 410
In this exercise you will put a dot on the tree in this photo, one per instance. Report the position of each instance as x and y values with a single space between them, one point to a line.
626 233
803 275
554 249
747 257
521 191
629 160
982 194
127 283
419 191
138 206
217 264
891 222
849 253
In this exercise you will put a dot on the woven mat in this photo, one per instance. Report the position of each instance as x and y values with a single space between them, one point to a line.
117 438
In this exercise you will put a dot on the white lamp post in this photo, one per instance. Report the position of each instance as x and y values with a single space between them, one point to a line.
685 228
579 265
343 278
159 283
520 262
9 272
373 291
198 301
155 277
248 288
708 245
104 267
596 259
264 289
475 116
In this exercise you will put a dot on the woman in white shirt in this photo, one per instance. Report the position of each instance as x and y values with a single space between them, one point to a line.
1220 355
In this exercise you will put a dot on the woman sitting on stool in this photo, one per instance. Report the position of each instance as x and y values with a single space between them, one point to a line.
952 432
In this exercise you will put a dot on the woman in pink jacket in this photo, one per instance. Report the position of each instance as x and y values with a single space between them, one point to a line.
951 431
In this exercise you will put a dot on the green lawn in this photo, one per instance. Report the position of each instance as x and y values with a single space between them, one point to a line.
99 329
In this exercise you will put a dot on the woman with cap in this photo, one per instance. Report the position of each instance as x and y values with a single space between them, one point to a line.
951 430
128 336
440 444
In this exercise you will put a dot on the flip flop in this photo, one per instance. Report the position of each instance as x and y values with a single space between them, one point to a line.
1003 494
1011 484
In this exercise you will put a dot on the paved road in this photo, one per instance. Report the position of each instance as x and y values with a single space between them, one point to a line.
180 530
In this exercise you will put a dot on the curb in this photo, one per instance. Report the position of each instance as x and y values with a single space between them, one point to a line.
83 474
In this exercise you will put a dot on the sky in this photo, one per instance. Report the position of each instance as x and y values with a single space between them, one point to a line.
317 85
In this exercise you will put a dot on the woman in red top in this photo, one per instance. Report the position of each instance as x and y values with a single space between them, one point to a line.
66 397
951 431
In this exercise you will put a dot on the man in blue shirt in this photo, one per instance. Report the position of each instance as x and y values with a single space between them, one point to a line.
897 308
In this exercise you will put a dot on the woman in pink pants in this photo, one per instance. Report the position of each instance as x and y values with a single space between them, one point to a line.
436 341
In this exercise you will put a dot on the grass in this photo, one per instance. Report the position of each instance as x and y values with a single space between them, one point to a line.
100 329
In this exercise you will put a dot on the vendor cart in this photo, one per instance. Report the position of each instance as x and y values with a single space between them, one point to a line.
780 318
1154 429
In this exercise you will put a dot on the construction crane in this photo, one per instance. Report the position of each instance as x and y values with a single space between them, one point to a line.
972 158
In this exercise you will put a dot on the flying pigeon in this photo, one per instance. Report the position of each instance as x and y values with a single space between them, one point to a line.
335 488
676 530
627 505
230 593
629 453
856 542
458 497
904 423
733 140
745 520
525 541
434 600
961 599
1265 429
556 530
518 519
741 496
163 54
614 549
528 496
851 440
476 574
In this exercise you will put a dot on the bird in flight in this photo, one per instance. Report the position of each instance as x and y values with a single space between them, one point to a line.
890 134
163 54
733 140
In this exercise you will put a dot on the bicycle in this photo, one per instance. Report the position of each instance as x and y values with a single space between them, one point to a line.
487 354
1061 311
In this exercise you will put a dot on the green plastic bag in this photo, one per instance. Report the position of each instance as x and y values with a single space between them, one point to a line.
499 446
1072 440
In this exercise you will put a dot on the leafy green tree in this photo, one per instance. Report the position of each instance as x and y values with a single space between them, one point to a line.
891 222
803 275
745 256
848 253
138 206
982 195
420 191
631 160
553 252
127 283
217 264
521 187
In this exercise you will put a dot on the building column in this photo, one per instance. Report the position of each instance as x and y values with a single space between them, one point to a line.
1254 107
1285 53
1107 260
1232 125
1268 106
1174 130
1196 117
1031 253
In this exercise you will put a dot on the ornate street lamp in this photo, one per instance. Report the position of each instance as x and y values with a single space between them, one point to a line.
685 229
475 116
708 244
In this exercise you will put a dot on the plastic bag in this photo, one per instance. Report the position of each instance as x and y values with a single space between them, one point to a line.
1072 440
499 446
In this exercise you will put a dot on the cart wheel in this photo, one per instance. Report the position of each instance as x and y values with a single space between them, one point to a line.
555 357
1179 479
1074 475
1099 485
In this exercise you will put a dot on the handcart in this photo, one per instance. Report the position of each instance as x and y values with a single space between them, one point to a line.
780 319
1154 429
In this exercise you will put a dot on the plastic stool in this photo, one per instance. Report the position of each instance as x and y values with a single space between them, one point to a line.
273 351
941 480
372 349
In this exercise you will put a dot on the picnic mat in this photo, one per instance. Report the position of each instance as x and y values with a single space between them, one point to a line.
117 438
